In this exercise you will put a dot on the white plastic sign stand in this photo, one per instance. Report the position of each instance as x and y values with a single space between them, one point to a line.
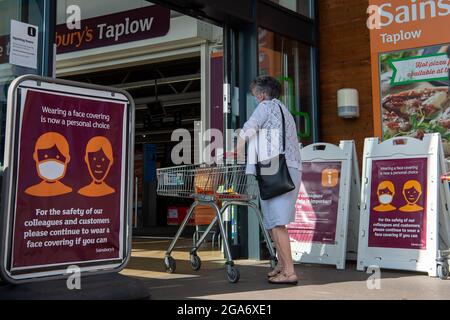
402 203
354 207
319 233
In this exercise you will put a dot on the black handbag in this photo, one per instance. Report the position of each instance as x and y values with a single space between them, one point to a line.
279 181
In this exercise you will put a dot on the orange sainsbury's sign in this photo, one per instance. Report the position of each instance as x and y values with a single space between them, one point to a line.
409 40
404 22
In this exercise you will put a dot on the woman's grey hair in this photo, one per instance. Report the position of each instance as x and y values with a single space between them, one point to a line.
268 85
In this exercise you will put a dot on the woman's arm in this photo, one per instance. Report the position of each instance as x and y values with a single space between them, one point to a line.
256 121
240 149
250 128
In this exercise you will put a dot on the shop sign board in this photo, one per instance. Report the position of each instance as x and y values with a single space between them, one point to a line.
132 25
66 188
403 202
319 232
410 48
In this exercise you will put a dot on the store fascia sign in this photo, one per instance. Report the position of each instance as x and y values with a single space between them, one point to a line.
132 25
405 21
385 14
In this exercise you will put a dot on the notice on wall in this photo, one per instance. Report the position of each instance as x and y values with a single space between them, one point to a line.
70 180
410 68
316 210
398 204
23 44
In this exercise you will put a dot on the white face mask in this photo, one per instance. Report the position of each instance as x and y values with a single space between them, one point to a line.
255 102
385 198
51 169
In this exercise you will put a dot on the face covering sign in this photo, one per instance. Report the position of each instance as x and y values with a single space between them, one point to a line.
398 204
70 181
316 209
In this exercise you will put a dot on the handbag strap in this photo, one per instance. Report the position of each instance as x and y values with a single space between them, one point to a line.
284 128
284 132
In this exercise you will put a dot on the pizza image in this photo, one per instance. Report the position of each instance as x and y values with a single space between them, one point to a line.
416 112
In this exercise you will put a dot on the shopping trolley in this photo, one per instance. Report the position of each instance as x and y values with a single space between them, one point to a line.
218 186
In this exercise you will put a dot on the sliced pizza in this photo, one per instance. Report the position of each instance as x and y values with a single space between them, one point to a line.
427 102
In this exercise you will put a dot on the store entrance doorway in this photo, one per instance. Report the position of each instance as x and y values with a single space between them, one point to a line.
176 80
167 97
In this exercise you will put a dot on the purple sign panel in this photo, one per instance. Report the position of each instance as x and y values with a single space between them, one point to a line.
317 205
70 181
132 25
398 204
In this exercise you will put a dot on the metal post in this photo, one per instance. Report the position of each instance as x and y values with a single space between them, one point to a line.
204 98
136 202
49 24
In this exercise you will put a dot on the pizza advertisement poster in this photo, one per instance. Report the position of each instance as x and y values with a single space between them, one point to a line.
415 95
316 210
70 192
398 204
410 67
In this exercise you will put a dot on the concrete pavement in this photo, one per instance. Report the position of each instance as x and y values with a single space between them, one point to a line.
315 281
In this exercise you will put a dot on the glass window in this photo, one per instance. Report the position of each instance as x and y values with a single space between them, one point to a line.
30 11
291 63
304 7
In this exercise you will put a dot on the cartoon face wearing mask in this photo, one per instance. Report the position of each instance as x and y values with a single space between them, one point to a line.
51 155
385 192
51 164
385 196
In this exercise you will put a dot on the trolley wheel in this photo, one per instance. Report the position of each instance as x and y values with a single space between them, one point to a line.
273 263
170 263
443 271
233 274
196 263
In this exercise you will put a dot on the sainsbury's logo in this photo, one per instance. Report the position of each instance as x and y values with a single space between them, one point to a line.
384 15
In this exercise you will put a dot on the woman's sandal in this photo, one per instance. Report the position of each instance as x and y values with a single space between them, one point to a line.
275 271
283 278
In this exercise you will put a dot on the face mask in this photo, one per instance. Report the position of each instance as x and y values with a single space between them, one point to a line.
255 102
385 198
51 169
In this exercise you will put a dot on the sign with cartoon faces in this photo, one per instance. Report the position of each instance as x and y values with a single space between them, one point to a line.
398 203
316 210
69 181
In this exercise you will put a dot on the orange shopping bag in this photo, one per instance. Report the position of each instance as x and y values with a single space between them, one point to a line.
207 180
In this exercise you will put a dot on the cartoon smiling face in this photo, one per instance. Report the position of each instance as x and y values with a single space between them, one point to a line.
99 164
412 195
